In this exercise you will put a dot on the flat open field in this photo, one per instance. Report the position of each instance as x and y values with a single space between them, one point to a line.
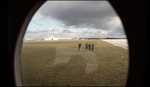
59 63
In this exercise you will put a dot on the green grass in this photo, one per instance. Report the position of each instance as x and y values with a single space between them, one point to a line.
38 68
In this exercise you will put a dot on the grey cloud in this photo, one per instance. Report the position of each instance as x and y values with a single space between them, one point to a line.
95 18
30 31
67 31
91 14
116 33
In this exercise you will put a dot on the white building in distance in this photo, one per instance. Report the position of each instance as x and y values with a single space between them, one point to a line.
50 38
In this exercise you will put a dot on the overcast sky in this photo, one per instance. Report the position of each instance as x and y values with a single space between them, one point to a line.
75 19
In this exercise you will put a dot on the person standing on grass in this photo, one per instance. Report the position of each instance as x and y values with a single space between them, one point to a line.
86 46
89 46
92 46
79 46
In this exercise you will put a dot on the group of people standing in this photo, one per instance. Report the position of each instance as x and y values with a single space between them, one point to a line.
87 46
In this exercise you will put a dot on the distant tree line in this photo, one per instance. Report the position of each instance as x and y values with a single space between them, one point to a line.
104 38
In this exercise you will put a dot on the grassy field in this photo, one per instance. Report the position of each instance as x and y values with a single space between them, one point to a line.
59 63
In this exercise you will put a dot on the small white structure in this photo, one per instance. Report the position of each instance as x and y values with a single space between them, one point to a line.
50 38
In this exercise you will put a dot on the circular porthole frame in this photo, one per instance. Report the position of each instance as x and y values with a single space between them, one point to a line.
17 53
135 56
